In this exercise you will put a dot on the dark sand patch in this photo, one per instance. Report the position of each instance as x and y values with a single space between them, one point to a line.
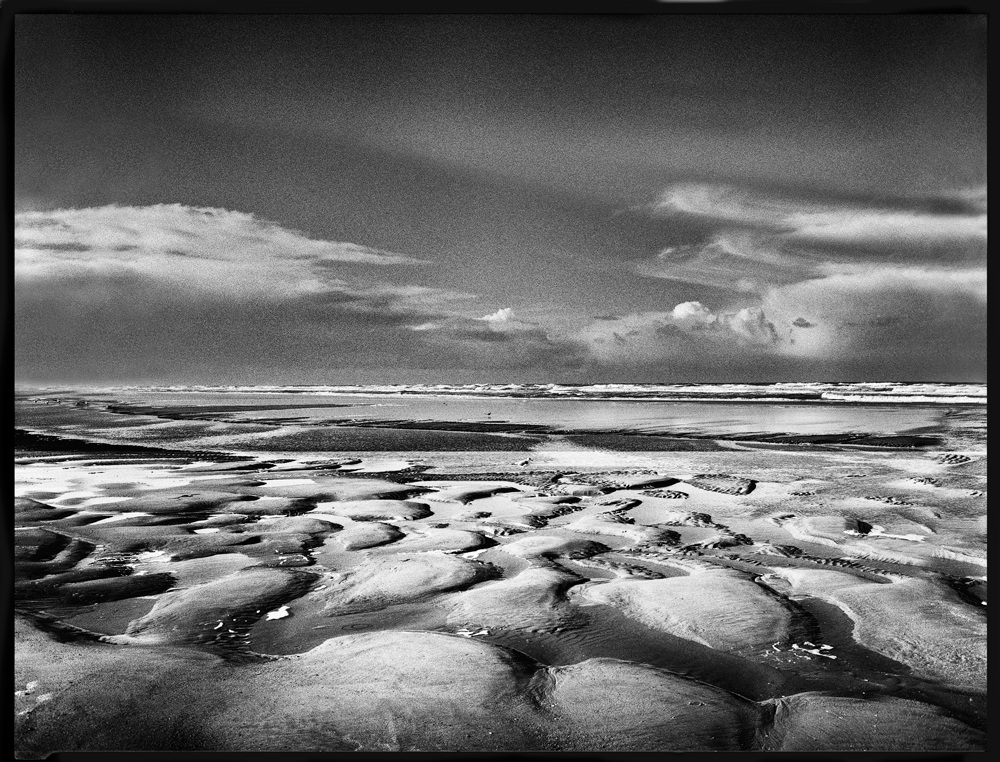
48 592
172 501
38 545
377 510
632 442
253 505
110 617
317 486
468 493
176 541
26 442
29 511
346 438
553 546
63 552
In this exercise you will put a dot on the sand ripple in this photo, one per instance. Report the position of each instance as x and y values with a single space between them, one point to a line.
940 636
399 578
719 608
533 600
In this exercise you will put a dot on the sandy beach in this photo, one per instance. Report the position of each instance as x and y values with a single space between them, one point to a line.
531 591
512 381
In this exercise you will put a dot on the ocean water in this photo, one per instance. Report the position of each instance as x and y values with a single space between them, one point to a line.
512 417
857 392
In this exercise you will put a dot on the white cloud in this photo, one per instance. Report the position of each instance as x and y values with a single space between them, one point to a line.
497 340
738 260
689 330
200 249
746 326
827 222
502 316
846 225
878 314
870 311
502 321
181 254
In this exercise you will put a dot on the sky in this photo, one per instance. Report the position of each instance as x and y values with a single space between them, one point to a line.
338 199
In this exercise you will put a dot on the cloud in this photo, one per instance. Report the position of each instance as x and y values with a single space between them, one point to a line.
768 245
888 313
156 292
502 317
737 260
832 222
690 331
498 324
182 254
849 321
497 340
199 249
745 326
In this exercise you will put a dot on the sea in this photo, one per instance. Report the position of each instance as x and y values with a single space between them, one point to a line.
513 417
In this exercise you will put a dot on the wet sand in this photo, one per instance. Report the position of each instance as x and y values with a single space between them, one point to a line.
556 595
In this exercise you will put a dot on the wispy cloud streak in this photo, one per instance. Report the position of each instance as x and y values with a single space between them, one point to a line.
195 248
829 222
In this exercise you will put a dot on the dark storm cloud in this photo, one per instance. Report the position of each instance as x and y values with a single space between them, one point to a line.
129 327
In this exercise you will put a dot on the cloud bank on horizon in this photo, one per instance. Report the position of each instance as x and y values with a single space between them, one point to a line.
75 263
377 258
